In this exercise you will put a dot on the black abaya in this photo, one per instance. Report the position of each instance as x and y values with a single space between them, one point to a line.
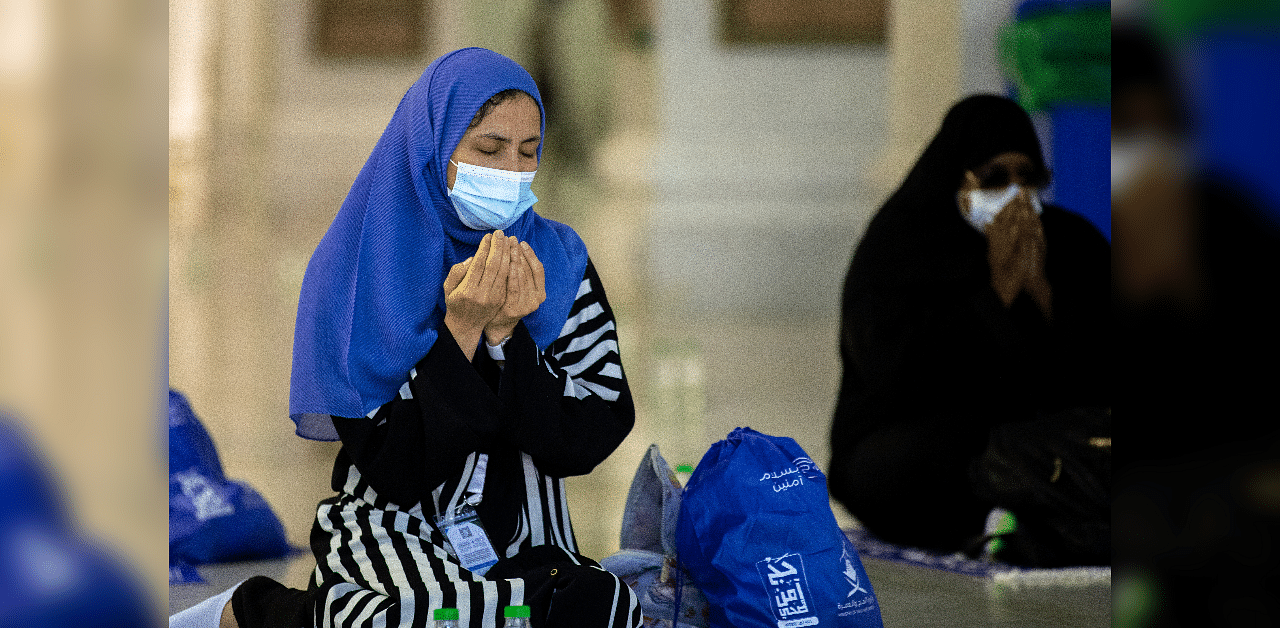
934 363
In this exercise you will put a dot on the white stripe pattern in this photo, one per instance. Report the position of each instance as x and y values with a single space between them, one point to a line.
592 357
613 606
415 588
608 394
555 529
583 342
568 525
611 370
575 321
534 504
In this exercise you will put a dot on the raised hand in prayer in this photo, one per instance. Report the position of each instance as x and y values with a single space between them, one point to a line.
1016 252
526 290
476 290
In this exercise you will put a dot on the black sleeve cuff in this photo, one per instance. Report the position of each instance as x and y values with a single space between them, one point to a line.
452 392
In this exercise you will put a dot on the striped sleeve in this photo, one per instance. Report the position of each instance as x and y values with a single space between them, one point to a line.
587 350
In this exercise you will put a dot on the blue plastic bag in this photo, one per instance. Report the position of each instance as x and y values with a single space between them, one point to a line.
211 519
757 535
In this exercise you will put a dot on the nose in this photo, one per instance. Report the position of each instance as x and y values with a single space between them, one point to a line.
520 163
511 160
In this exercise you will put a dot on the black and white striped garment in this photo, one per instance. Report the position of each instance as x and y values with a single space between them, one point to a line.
535 418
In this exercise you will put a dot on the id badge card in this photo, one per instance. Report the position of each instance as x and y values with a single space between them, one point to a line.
470 543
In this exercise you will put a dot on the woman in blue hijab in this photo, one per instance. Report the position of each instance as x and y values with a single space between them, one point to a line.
462 349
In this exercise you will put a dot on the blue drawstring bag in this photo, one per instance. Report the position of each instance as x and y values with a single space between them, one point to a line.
757 535
211 519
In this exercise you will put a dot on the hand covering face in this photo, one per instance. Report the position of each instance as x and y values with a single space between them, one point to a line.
919 236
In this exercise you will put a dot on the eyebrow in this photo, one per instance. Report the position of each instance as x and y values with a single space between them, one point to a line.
501 138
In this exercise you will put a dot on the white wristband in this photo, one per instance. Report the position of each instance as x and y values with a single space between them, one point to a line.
495 351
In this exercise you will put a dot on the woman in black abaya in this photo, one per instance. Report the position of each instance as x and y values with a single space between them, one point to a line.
973 338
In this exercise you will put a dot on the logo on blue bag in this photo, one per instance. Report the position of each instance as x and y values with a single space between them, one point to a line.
851 574
788 590
792 476
854 605
204 496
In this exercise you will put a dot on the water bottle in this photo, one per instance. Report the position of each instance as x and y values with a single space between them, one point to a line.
517 617
446 618
683 473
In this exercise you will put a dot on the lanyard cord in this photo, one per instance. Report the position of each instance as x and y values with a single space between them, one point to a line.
475 488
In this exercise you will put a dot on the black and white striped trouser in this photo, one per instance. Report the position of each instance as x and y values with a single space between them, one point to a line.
389 568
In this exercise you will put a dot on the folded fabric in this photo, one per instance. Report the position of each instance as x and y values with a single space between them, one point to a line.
206 614
647 559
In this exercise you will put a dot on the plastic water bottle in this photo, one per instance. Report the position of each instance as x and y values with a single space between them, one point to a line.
683 473
517 617
446 618
1000 522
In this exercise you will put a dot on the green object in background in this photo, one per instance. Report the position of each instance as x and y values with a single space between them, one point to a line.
1059 55
1007 524
684 468
1179 19
994 546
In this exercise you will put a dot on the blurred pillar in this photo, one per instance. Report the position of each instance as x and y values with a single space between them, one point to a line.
924 81
81 269
233 248
446 29
569 48
240 95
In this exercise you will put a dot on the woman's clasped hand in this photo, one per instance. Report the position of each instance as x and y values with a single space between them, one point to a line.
1016 254
487 294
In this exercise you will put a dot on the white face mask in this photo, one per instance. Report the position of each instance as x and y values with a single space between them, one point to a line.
985 204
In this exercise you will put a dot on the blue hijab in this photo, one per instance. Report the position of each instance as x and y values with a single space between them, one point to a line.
372 296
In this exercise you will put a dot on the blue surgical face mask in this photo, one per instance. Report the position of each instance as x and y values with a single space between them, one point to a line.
489 198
